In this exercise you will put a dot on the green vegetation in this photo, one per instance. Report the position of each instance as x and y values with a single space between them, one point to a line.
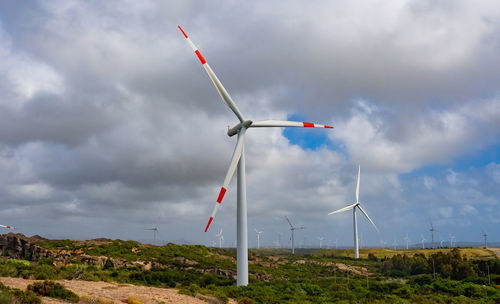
53 290
326 276
14 295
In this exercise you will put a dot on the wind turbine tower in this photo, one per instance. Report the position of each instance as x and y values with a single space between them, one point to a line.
485 236
355 222
155 230
220 237
321 238
258 237
406 239
238 161
293 228
432 230
423 242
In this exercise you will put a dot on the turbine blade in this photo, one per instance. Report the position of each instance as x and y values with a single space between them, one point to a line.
357 185
285 123
343 209
8 227
232 167
218 85
359 206
286 217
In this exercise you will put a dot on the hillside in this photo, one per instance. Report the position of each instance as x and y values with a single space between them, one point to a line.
320 276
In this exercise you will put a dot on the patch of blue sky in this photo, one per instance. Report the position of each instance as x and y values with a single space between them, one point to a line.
311 138
479 159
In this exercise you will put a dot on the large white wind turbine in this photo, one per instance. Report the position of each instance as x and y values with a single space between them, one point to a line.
238 160
353 207
292 237
258 237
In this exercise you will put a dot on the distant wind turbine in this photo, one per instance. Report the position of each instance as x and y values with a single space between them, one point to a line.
155 231
423 242
293 228
320 238
220 237
278 241
407 240
432 230
258 237
441 244
485 236
353 207
452 238
238 162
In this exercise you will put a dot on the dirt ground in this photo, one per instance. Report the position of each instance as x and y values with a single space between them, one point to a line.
112 292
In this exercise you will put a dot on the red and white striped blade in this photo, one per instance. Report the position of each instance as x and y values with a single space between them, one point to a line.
229 175
8 227
218 85
285 123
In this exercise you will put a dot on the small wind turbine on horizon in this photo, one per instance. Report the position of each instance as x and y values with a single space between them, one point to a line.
485 236
320 238
238 161
353 207
258 237
155 231
407 240
278 240
452 239
220 237
423 242
293 228
432 234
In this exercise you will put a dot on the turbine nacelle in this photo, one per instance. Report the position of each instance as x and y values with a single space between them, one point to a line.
234 130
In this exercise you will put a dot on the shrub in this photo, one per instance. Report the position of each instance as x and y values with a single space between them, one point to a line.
45 272
54 290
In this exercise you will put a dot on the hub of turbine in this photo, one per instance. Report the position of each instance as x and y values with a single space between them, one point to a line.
234 130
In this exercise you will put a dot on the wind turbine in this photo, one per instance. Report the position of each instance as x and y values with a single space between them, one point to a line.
485 236
238 160
220 237
451 240
258 237
353 207
432 233
278 240
8 227
423 242
406 239
320 238
155 230
293 228
441 244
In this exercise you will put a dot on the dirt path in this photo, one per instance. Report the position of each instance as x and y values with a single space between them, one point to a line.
115 293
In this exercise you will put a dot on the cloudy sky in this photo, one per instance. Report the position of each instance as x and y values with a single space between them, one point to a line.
109 124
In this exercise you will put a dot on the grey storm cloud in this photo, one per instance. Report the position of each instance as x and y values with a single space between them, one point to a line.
108 123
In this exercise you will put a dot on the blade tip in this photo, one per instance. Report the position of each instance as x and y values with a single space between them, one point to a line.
209 222
328 127
180 28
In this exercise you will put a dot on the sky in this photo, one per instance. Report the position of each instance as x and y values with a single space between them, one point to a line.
109 124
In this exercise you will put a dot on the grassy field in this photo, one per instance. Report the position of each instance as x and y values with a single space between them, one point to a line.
469 253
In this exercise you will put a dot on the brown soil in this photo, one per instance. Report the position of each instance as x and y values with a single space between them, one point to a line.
112 292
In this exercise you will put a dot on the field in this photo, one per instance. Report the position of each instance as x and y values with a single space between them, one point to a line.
469 275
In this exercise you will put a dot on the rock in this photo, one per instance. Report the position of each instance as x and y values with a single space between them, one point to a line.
17 246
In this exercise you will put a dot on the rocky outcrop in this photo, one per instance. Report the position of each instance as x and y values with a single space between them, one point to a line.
18 246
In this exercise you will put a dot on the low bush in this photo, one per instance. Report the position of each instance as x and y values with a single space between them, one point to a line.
54 290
